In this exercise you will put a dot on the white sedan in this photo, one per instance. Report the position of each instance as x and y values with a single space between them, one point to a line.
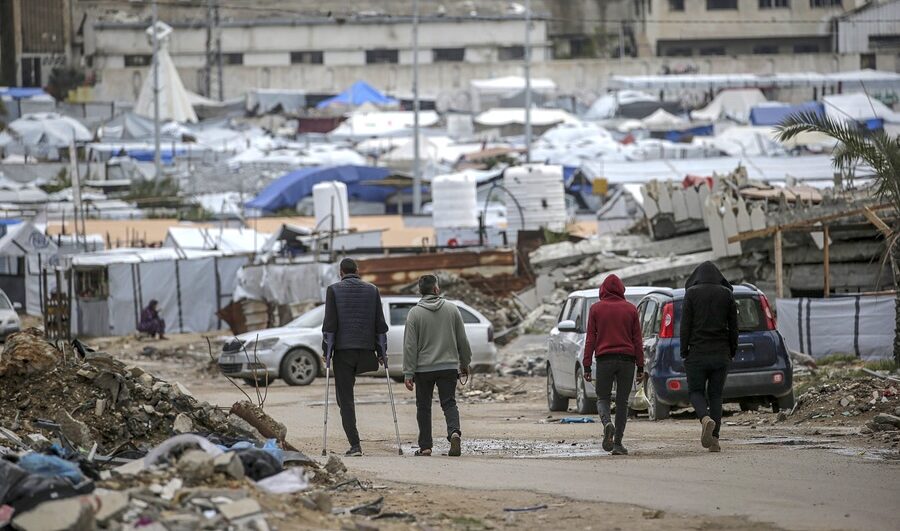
294 352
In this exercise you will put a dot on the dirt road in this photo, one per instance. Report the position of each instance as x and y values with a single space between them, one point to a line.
799 478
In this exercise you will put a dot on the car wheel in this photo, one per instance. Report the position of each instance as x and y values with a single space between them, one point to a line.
299 367
749 406
784 403
656 410
583 404
259 382
555 401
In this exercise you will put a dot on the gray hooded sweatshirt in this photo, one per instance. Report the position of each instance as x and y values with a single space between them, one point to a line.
435 338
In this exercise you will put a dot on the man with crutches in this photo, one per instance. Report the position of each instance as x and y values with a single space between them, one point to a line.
354 329
436 352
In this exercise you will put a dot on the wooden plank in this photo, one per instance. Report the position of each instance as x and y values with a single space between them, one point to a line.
879 224
826 252
779 267
768 231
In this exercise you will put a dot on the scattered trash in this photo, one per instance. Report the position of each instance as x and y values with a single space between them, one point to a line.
526 509
576 420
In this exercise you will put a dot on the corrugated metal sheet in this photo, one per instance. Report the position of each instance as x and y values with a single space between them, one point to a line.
854 29
394 272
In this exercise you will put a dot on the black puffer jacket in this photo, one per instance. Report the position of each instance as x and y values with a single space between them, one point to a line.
709 314
354 313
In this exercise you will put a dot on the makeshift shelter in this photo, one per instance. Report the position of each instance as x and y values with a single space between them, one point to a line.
607 105
859 107
731 104
111 288
488 93
358 94
775 113
663 119
289 189
265 101
42 134
230 240
174 101
128 126
24 250
361 125
512 121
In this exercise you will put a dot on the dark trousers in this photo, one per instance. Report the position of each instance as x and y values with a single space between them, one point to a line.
446 385
344 365
620 370
706 375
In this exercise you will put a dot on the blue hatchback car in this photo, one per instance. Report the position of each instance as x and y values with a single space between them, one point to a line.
760 374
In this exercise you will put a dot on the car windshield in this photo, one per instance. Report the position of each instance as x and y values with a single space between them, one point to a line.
4 302
311 319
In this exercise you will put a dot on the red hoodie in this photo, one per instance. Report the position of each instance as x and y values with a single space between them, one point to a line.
613 325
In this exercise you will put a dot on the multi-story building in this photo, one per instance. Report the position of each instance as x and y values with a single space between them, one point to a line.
34 39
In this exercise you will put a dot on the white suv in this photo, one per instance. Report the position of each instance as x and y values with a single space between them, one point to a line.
294 352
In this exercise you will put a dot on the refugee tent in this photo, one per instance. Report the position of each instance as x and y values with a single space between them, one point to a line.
289 189
24 249
539 117
775 113
127 126
402 158
731 104
174 101
358 94
661 119
231 240
111 288
18 193
265 101
859 107
487 93
42 134
361 125
742 141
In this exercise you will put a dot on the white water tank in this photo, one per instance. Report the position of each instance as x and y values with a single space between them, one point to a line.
541 195
328 197
454 201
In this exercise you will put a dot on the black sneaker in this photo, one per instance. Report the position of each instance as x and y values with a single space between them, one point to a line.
618 449
455 445
354 451
609 431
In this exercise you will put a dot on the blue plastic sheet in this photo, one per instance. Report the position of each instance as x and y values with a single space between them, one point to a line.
51 466
270 446
577 420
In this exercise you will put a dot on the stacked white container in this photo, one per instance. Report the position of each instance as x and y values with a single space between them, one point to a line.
329 198
541 195
454 201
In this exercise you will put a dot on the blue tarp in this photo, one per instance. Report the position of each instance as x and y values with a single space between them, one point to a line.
775 114
358 93
681 134
289 189
17 93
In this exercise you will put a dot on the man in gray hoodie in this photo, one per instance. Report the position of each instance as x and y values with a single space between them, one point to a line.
435 352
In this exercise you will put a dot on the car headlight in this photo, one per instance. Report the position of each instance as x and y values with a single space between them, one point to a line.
11 321
256 346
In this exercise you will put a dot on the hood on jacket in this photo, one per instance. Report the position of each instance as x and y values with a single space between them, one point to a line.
431 302
707 273
612 288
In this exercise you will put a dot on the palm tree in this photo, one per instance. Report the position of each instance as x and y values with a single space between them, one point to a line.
875 149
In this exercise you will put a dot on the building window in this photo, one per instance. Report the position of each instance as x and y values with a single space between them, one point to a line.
678 52
511 53
867 61
377 57
233 58
773 4
138 60
715 5
713 50
825 3
676 5
806 48
448 55
765 49
307 58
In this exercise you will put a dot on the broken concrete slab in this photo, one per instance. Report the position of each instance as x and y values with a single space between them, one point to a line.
335 466
74 430
110 505
183 424
230 464
195 465
240 509
70 514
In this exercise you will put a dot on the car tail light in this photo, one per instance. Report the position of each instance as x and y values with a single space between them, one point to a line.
490 334
674 385
767 310
777 378
667 327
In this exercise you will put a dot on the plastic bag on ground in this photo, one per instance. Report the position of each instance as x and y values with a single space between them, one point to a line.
51 466
286 482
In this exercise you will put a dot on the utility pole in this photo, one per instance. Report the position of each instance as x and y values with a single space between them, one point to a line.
527 80
157 160
417 170
207 67
219 52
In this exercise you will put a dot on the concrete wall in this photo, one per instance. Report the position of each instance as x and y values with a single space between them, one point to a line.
572 76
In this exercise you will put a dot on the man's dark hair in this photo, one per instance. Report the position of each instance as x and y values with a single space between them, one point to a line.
349 267
427 284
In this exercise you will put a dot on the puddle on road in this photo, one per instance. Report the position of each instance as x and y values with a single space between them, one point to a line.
872 454
518 449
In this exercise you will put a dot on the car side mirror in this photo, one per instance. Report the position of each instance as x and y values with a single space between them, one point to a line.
567 326
17 306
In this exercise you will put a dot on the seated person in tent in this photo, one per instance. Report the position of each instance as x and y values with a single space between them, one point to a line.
151 322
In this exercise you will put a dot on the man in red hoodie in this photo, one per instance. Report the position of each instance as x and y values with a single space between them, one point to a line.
614 339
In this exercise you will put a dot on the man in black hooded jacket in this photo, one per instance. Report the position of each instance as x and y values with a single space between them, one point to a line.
709 339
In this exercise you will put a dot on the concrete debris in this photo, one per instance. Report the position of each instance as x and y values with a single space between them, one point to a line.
230 464
74 430
71 514
183 424
335 466
486 389
883 419
110 505
240 509
27 352
195 465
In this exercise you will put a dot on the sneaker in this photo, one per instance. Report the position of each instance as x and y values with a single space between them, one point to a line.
609 431
618 449
706 436
714 447
455 445
354 451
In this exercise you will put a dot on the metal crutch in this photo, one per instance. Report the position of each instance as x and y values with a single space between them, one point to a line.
329 345
382 350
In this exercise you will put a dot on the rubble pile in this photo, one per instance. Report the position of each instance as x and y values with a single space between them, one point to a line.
505 313
489 389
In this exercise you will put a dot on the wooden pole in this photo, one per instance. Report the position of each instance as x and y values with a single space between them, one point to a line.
826 250
779 267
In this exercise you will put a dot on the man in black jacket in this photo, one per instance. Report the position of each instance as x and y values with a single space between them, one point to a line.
709 339
355 328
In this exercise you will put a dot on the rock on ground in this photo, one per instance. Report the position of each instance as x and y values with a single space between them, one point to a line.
27 352
70 514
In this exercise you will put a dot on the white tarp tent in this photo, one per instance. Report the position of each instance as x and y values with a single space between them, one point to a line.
230 240
42 135
863 326
605 106
488 93
859 107
25 240
733 104
663 119
539 117
174 100
285 283
362 125
190 286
